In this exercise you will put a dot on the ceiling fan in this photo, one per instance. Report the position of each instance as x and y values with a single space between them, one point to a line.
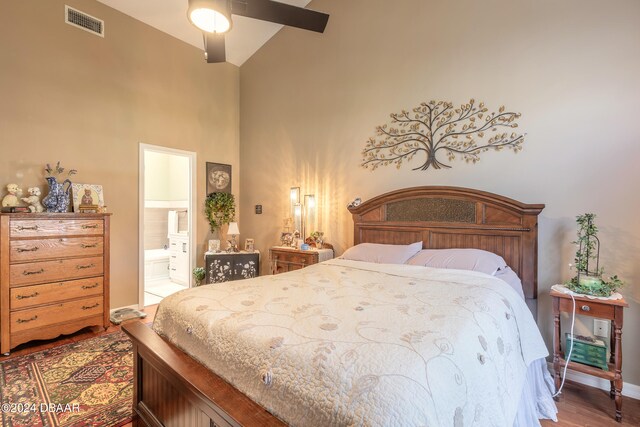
213 17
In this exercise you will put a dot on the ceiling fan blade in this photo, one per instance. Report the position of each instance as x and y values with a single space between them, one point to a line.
214 48
280 13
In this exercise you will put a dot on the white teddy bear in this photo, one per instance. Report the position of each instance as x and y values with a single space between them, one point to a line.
33 200
11 199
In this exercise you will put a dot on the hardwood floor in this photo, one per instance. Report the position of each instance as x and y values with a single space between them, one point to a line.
587 406
579 406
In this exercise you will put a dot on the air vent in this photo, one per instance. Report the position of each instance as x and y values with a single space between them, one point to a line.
83 21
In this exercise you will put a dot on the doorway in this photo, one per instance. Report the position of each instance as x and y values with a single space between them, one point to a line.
166 222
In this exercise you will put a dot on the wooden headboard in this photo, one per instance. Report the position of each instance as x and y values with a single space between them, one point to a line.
453 217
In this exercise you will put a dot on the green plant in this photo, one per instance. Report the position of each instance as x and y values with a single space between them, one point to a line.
220 209
588 243
199 274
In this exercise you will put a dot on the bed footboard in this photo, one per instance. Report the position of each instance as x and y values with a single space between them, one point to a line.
172 389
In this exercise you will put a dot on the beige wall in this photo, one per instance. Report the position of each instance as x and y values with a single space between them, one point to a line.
71 96
309 102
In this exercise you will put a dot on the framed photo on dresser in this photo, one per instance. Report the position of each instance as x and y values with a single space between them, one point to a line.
87 197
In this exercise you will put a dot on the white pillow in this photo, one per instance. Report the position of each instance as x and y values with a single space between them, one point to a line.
382 254
512 279
460 259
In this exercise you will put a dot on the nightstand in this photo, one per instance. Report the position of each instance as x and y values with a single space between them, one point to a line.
284 258
603 309
228 266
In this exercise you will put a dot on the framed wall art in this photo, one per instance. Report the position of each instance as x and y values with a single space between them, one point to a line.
218 178
87 197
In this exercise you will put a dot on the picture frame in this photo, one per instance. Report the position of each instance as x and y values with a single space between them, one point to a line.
218 178
286 238
249 245
87 197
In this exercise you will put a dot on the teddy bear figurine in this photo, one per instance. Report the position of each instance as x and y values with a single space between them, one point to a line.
34 200
11 199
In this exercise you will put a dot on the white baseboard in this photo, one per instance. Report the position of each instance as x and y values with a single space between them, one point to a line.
628 389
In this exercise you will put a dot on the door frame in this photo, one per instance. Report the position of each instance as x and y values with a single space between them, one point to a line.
191 217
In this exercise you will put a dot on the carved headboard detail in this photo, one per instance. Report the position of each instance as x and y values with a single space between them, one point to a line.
453 217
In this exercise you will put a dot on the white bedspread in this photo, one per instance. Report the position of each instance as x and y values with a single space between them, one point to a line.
353 343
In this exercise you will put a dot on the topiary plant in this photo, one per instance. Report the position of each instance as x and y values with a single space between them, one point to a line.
588 248
220 209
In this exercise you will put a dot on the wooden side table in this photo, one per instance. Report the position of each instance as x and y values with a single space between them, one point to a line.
603 309
285 259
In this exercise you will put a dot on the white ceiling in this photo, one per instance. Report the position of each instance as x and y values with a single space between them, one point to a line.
170 16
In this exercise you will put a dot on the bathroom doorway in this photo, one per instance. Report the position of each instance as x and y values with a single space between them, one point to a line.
166 222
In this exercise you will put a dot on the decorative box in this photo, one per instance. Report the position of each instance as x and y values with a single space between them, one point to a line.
587 350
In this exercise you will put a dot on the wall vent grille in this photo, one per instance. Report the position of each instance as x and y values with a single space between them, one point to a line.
83 21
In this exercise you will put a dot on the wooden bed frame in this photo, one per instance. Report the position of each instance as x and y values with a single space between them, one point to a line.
171 389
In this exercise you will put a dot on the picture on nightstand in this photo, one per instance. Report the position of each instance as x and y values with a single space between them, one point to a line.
249 245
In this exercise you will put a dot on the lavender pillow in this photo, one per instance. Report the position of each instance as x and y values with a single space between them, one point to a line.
460 259
382 254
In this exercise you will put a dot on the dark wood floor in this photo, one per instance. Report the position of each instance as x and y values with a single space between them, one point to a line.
579 406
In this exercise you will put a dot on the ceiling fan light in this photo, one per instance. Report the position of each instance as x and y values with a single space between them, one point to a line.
211 16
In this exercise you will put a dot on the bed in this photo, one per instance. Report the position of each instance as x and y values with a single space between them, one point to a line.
486 330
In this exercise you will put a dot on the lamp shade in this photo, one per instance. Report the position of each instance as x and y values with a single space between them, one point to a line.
211 16
233 229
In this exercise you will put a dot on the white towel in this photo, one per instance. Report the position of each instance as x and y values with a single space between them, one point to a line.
172 223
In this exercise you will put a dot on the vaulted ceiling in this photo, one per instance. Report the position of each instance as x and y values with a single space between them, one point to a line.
170 16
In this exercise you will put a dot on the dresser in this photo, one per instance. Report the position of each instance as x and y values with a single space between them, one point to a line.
227 266
54 275
284 258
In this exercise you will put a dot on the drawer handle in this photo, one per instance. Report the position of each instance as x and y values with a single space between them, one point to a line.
35 294
33 249
84 267
27 320
85 226
29 273
89 307
586 308
88 246
95 285
21 228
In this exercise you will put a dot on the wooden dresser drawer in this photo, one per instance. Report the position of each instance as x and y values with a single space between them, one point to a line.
285 259
51 271
53 227
298 260
29 296
594 309
62 247
55 313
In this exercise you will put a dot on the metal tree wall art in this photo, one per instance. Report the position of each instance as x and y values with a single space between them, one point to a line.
435 127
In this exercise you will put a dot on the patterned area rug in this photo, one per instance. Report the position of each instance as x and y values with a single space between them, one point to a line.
87 383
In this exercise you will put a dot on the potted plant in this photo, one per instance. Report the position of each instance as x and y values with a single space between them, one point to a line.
220 209
199 274
589 280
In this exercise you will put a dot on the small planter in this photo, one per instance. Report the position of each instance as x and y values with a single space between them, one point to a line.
199 273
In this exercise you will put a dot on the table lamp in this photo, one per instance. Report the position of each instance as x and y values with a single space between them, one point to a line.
233 232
